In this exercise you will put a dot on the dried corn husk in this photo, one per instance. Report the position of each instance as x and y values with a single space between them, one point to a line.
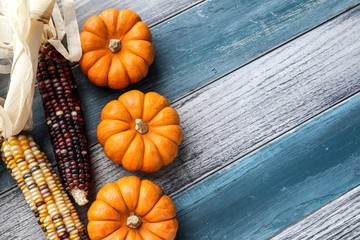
22 26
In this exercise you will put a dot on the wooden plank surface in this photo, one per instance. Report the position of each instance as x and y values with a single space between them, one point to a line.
337 220
279 183
188 57
252 28
258 102
153 12
245 110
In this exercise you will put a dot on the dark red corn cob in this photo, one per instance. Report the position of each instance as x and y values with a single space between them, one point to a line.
65 122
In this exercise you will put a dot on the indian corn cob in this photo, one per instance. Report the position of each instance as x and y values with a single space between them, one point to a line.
65 122
42 188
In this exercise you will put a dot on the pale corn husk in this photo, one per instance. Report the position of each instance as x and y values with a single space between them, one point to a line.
22 28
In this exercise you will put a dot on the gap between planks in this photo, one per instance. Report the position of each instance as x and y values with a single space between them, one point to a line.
265 53
175 76
336 220
164 9
91 108
275 93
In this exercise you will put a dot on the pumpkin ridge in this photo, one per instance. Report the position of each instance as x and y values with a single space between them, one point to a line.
133 25
115 185
101 41
118 120
143 110
153 129
164 220
151 233
154 165
142 157
116 113
133 188
111 237
131 116
122 197
104 17
162 135
127 147
164 109
136 53
138 203
127 79
95 22
157 149
108 67
133 33
142 164
125 21
107 221
127 233
129 141
138 67
155 234
97 35
108 205
166 156
97 56
141 237
165 235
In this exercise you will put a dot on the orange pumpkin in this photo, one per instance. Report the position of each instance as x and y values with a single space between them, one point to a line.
117 48
140 131
132 208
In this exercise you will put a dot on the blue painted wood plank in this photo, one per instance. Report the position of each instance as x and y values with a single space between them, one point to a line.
188 57
204 43
279 183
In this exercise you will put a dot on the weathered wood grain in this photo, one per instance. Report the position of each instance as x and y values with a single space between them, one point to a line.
336 220
240 112
244 110
17 220
279 183
188 57
152 12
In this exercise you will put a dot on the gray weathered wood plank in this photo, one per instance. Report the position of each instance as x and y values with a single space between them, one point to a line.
336 220
240 112
17 220
188 57
278 183
152 12
244 110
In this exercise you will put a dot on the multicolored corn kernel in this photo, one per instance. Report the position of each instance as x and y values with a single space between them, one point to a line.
42 189
65 122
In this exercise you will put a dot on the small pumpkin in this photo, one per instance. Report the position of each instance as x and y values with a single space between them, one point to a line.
132 208
140 131
117 48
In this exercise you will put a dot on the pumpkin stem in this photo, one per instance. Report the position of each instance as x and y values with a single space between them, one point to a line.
133 221
140 126
114 45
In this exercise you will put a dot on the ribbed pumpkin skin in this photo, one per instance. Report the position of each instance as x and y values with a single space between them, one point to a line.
106 67
124 145
115 202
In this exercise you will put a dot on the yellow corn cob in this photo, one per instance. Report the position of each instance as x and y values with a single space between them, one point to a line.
42 188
